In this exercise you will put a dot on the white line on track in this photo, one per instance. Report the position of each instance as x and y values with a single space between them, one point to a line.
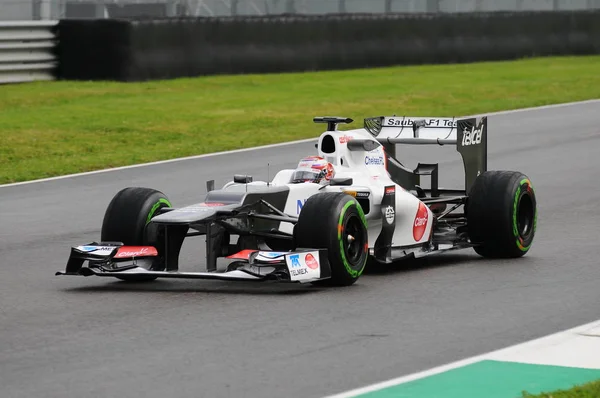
269 146
458 364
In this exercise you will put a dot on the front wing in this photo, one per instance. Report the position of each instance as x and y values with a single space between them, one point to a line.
117 260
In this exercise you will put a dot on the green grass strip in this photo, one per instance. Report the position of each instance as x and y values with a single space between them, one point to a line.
588 390
56 128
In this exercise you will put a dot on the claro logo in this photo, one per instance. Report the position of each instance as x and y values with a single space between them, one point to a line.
420 223
136 251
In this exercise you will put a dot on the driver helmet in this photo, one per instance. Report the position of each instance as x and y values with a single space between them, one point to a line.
313 169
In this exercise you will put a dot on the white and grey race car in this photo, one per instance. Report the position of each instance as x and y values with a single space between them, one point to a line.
373 212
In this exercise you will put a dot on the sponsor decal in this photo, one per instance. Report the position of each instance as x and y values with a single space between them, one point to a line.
88 248
295 260
212 204
299 205
303 266
390 215
420 223
406 122
345 138
298 272
390 190
311 262
313 157
272 254
296 269
96 248
242 255
357 194
136 251
472 137
270 257
374 160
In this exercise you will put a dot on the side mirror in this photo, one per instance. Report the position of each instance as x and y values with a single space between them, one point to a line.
363 145
210 185
242 179
341 181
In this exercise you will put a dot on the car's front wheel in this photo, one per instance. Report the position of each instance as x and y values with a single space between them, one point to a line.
127 220
336 222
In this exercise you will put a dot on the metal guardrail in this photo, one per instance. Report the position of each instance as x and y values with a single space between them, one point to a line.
26 51
99 9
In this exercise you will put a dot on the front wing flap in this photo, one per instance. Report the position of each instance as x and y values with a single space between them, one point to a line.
116 260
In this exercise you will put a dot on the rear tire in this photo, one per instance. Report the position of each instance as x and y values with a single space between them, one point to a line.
126 220
327 221
502 214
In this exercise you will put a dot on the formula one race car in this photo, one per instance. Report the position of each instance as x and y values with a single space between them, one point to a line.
352 205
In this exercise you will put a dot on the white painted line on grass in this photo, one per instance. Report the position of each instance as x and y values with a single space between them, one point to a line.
580 330
269 146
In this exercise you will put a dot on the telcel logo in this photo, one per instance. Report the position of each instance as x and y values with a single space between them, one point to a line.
472 137
374 160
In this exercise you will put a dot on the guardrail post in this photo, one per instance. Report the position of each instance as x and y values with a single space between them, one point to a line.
433 6
388 6
290 7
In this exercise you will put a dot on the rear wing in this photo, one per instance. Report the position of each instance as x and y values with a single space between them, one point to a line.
469 135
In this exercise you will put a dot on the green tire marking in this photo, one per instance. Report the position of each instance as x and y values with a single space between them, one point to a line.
155 207
349 269
515 230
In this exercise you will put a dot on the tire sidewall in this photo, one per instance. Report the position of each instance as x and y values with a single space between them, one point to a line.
493 211
346 211
127 220
523 188
321 225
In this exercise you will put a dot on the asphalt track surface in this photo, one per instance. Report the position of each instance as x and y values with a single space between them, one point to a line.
93 337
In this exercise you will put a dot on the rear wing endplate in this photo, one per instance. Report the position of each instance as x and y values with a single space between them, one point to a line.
469 135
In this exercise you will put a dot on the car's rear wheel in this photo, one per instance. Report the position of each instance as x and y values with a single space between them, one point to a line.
502 214
336 222
127 220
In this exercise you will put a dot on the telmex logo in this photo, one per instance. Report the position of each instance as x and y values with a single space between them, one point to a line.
374 160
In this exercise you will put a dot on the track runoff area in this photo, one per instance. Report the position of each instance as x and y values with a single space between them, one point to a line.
558 361
555 362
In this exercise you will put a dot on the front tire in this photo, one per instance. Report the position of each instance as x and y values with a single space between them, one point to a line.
336 222
127 219
502 214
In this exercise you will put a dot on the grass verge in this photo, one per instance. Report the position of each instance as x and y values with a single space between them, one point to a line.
56 128
588 390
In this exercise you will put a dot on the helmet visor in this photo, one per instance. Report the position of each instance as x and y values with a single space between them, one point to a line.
304 175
